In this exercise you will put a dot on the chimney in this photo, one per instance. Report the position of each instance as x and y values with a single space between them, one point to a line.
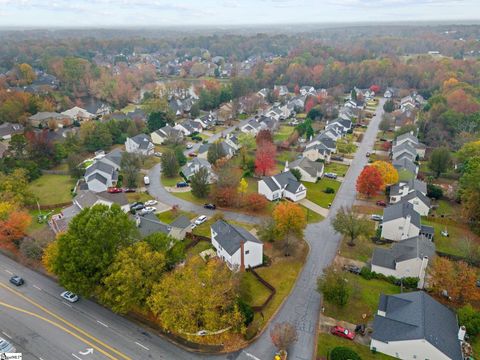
406 226
461 333
286 166
242 256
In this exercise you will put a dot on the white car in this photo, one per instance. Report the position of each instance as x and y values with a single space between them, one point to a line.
69 296
147 210
200 220
6 347
376 217
151 202
189 146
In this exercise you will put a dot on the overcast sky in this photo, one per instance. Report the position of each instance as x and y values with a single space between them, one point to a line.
99 13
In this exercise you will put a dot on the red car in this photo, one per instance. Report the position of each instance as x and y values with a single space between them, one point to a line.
342 332
192 154
114 190
381 203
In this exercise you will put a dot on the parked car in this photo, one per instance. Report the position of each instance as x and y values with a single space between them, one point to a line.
189 146
336 157
192 154
354 269
129 190
330 175
157 154
182 184
137 206
147 210
367 154
6 347
146 180
376 217
69 296
114 190
210 206
17 280
381 203
151 202
200 220
342 332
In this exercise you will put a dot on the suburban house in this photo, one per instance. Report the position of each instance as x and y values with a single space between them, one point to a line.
311 171
344 124
207 121
413 141
403 188
400 222
408 103
7 130
113 158
283 185
403 118
327 141
193 166
202 152
85 199
416 326
149 224
46 119
237 247
406 258
189 127
317 151
332 133
166 134
140 144
251 127
100 176
263 92
282 90
421 203
79 114
307 90
406 168
404 150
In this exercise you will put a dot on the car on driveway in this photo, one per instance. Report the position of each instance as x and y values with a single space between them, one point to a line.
189 146
381 203
210 206
69 296
114 190
6 347
17 280
342 332
129 190
147 210
376 217
182 184
200 220
137 206
354 269
330 175
192 154
151 202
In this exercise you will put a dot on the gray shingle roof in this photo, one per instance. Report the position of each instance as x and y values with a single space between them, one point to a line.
406 164
401 210
99 177
142 140
417 194
413 184
114 156
231 236
101 166
416 247
417 316
181 222
310 167
150 224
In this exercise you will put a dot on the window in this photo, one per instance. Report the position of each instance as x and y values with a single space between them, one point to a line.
247 252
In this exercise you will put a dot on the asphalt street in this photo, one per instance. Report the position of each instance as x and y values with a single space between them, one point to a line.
43 326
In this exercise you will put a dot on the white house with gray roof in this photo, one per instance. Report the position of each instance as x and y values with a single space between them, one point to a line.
310 170
407 258
7 130
236 246
400 222
140 144
100 176
413 191
166 134
150 224
416 326
193 166
412 140
283 185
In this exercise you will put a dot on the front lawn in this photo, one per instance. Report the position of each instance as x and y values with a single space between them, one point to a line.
138 196
363 300
339 169
457 241
312 216
326 343
149 162
252 291
316 194
171 181
204 229
363 249
284 155
283 133
168 216
52 189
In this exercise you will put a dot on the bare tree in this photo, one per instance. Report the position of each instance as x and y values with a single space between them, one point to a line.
283 335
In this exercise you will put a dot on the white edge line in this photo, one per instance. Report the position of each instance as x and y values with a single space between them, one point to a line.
103 324
36 287
66 304
142 345
8 272
250 355
40 358
4 333
76 357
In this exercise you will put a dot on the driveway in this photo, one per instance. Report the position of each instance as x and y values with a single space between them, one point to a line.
314 207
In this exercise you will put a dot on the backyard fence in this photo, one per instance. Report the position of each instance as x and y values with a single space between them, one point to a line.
272 290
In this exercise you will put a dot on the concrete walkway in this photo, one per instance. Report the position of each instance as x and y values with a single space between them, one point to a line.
314 207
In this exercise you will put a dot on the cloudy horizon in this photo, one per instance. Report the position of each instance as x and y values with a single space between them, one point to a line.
138 13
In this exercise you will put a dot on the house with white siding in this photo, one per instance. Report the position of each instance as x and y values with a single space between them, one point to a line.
140 144
400 222
283 185
310 171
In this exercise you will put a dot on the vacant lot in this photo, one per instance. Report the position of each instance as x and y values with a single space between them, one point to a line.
52 189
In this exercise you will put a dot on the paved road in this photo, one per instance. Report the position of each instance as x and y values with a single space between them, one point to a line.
43 327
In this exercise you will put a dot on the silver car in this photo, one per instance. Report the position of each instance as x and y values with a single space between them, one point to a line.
69 296
6 347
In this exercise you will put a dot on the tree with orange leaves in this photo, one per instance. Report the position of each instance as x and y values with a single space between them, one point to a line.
457 278
13 225
369 181
290 221
387 171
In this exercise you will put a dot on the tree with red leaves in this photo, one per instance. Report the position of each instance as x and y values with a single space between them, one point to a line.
13 225
265 158
375 88
256 202
462 102
264 136
296 89
311 102
370 181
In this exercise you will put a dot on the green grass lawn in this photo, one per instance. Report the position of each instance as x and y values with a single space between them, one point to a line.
312 216
204 229
168 216
52 189
252 291
150 162
283 156
363 249
326 343
283 133
138 196
363 299
188 196
315 191
167 181
456 243
339 169
197 249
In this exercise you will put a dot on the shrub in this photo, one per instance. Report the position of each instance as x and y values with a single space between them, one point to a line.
344 353
246 311
31 249
256 202
434 191
366 273
329 190
196 138
470 319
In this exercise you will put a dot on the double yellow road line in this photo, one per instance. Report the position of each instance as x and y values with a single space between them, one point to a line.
74 330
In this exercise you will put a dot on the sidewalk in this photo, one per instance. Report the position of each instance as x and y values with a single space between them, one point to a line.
314 207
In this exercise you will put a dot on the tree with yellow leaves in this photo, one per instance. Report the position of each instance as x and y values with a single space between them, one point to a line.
290 221
388 173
